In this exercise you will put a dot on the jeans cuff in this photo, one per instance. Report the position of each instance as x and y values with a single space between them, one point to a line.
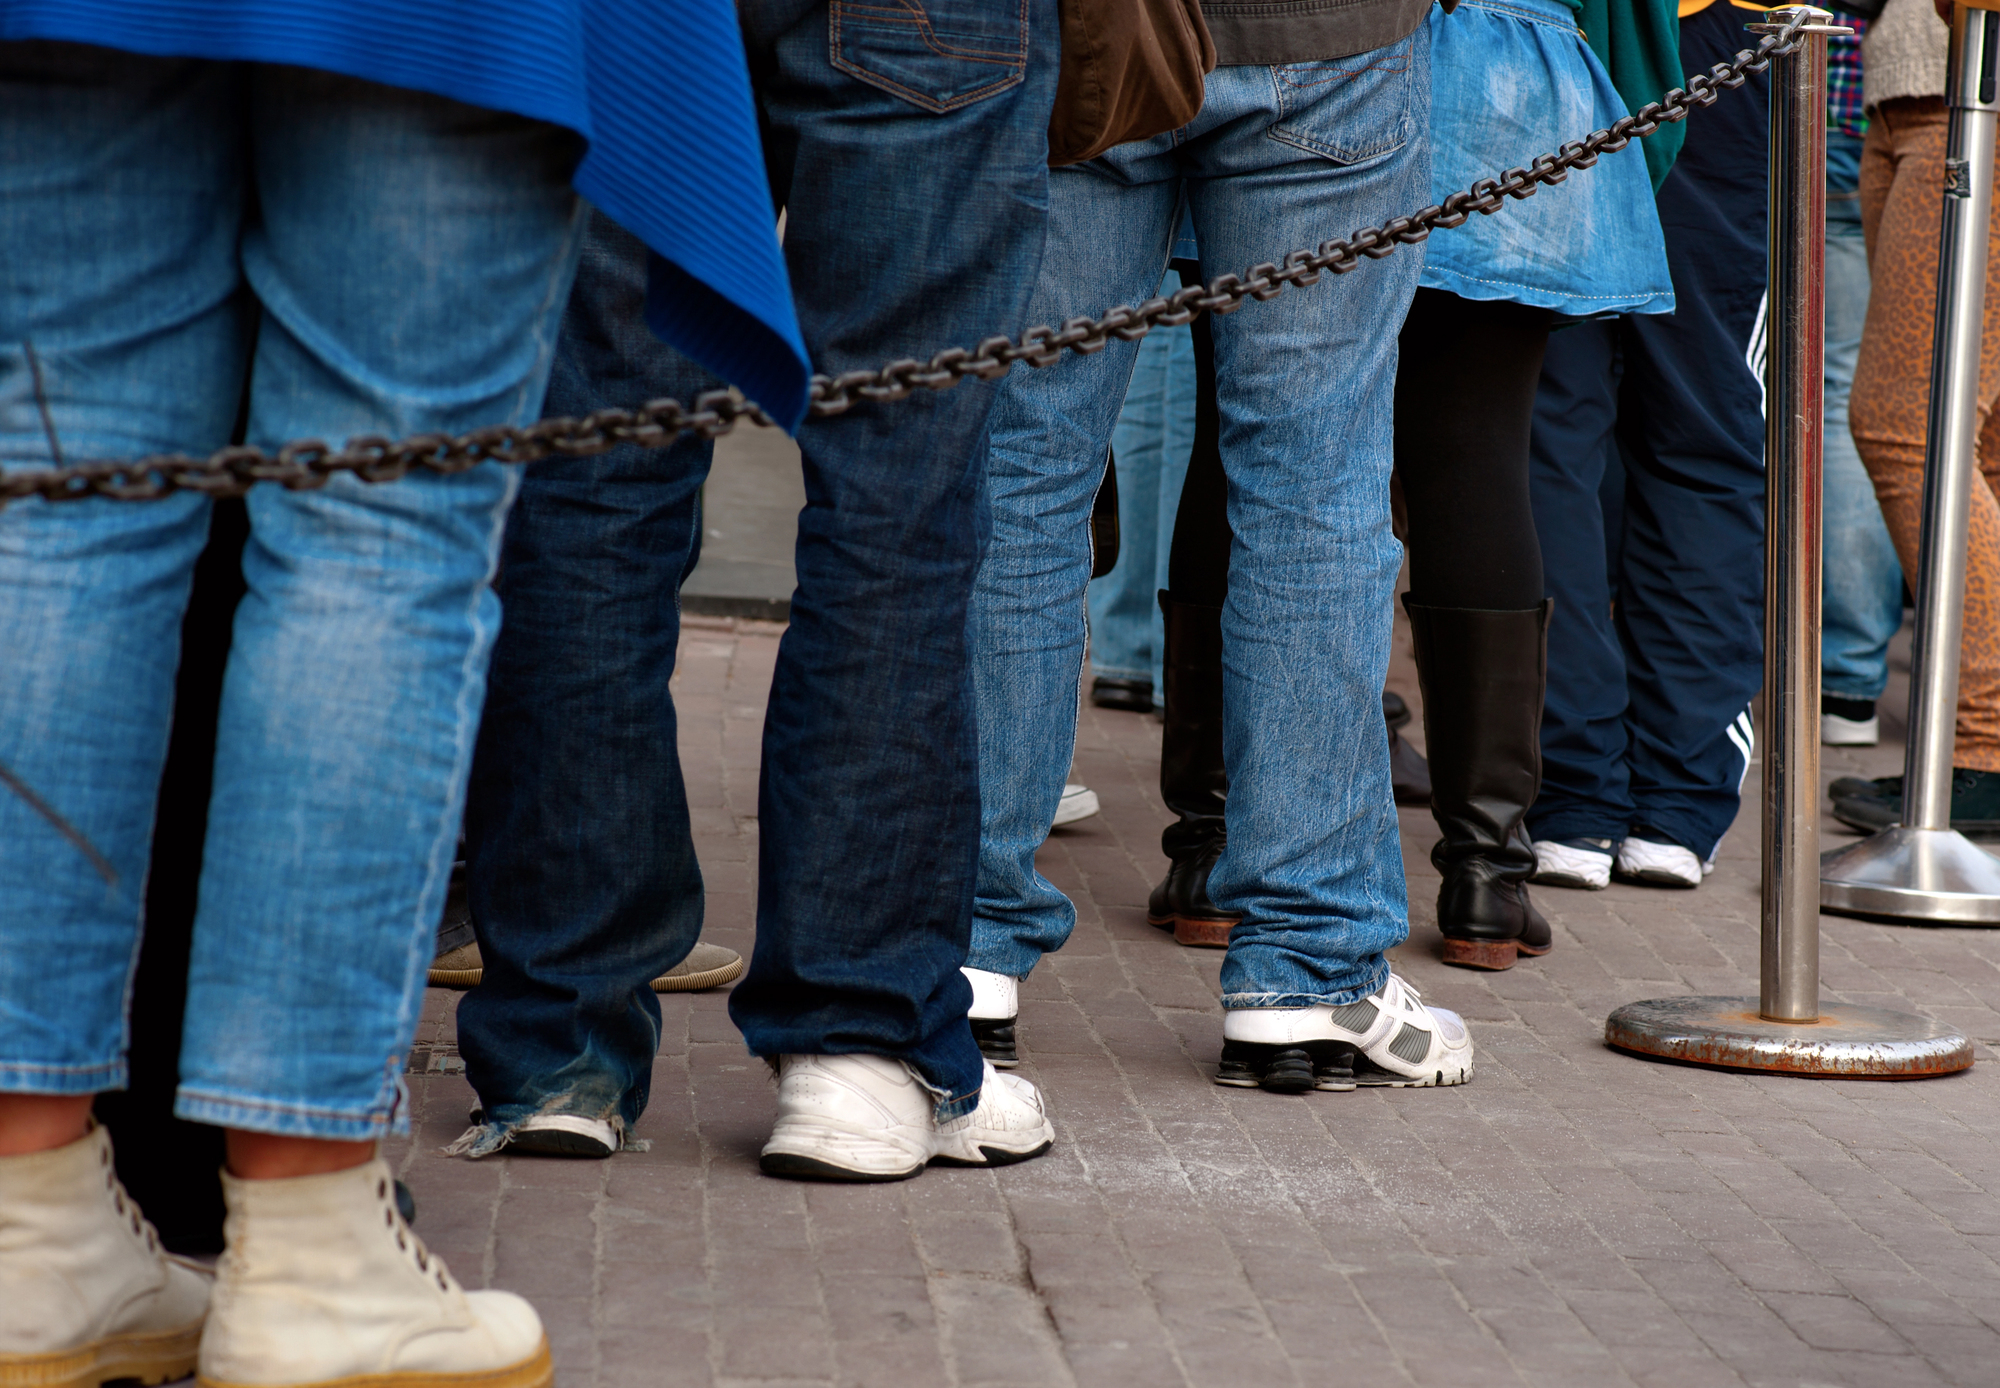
1377 975
63 1079
294 1119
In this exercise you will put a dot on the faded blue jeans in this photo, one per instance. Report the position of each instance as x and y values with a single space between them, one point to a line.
1861 578
1277 158
1152 444
582 873
185 240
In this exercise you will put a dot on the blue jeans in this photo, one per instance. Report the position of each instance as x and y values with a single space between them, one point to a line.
159 306
583 881
1305 383
1862 580
1152 443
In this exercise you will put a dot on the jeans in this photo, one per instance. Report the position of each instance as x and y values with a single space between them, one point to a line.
1305 385
1647 471
159 306
1862 580
583 882
1151 444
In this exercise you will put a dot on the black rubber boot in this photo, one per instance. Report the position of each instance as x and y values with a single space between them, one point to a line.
1483 675
1192 779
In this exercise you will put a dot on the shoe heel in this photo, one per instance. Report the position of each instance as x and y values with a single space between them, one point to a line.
1287 1069
995 1036
1201 933
1492 955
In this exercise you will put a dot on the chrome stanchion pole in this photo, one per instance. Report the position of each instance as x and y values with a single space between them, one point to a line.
1922 870
1785 1028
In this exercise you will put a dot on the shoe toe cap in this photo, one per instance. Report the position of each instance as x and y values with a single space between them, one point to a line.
512 1327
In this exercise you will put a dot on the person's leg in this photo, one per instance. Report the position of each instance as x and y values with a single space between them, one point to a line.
580 863
1478 619
352 699
1691 571
868 802
1900 171
1861 578
137 347
1584 806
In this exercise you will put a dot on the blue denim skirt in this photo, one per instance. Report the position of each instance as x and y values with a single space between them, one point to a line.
1511 79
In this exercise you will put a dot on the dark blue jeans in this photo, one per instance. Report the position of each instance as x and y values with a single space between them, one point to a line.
916 192
1647 468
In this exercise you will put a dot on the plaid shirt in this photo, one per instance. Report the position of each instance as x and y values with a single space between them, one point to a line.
1843 80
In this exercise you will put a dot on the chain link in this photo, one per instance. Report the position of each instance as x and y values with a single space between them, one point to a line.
308 464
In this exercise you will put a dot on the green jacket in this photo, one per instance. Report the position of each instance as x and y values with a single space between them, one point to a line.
1639 43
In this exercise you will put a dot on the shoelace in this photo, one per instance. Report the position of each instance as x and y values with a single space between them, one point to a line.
127 1208
426 1261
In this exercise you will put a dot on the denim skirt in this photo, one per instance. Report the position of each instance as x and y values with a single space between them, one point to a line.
1511 79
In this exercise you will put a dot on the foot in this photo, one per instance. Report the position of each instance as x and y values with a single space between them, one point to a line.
707 966
1128 696
323 1283
1848 722
1584 864
87 1295
870 1118
1649 857
1078 802
1975 803
1180 902
1389 1038
996 1003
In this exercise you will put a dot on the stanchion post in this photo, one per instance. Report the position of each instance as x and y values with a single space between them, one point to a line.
1795 319
1922 870
1785 1028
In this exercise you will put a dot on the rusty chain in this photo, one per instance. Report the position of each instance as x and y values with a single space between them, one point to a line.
308 464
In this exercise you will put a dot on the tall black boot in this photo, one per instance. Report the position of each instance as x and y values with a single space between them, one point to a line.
1192 779
1483 675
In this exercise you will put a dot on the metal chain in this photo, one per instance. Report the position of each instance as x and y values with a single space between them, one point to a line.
308 464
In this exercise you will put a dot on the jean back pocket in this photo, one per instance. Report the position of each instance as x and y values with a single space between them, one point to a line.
1349 110
939 55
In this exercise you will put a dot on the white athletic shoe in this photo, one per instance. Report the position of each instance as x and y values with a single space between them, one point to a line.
1661 864
1835 731
1581 863
323 1283
870 1118
1389 1038
996 1003
86 1294
1078 802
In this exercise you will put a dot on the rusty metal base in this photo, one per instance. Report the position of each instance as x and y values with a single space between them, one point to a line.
1854 1042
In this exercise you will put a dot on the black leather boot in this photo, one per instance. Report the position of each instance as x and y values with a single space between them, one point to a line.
1483 674
1192 779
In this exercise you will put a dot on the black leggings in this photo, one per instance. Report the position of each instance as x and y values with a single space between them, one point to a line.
1465 399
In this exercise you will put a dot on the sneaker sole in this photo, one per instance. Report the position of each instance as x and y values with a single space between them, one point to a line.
997 1156
797 1167
1327 1065
995 1036
553 1142
156 1357
536 1371
1655 877
1569 880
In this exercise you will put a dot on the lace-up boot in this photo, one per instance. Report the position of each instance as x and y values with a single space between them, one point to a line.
324 1283
86 1293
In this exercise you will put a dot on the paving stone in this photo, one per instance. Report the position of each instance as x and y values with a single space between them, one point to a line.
1573 1216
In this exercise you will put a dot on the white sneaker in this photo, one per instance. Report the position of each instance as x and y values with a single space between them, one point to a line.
1581 863
565 1135
1078 802
1835 731
322 1283
1661 864
996 1003
870 1118
86 1294
1389 1038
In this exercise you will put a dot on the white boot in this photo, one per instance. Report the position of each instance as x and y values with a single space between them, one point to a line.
323 1281
86 1294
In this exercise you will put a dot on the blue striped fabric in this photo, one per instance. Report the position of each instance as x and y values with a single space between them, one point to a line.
659 88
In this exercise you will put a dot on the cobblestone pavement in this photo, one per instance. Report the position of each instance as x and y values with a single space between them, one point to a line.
1573 1216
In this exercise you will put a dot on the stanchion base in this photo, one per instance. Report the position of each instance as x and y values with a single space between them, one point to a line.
1855 1042
1913 874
